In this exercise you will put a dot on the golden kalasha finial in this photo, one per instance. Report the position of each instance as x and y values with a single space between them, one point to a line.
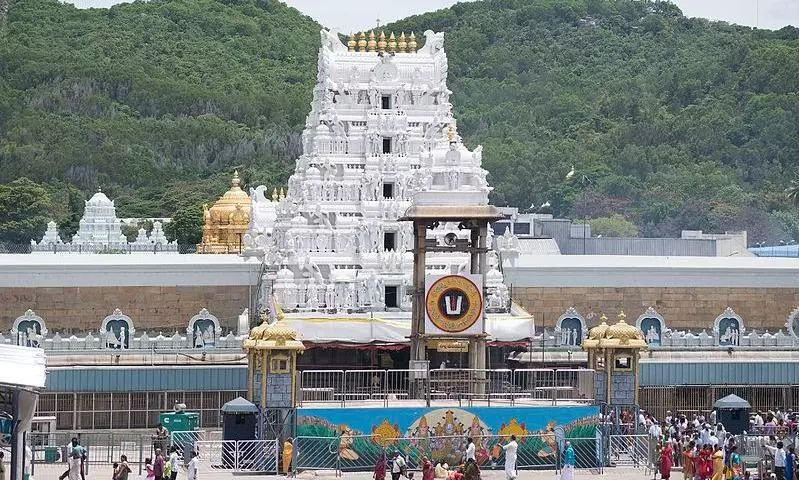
392 43
274 195
603 318
371 45
381 44
282 194
451 133
235 182
402 45
622 316
351 43
362 42
412 43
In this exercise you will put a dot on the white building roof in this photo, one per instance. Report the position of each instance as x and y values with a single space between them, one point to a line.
23 367
640 271
538 246
62 270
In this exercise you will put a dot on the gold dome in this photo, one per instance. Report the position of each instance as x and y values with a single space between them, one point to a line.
278 336
232 208
618 335
623 331
226 221
598 332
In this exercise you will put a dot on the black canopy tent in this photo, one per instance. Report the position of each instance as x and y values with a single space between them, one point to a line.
733 413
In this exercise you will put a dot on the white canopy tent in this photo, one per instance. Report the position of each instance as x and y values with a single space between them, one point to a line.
22 374
395 327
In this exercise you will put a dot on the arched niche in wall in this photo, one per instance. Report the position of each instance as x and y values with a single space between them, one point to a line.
728 328
792 324
652 326
117 330
570 328
29 329
203 330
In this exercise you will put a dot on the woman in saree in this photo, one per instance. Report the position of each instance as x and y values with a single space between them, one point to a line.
718 463
735 466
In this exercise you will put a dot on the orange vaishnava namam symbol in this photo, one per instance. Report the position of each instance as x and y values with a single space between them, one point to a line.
453 303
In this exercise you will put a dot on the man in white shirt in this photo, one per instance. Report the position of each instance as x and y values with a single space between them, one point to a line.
713 416
510 458
655 434
668 417
758 420
470 450
779 459
194 463
713 440
704 435
397 466
174 463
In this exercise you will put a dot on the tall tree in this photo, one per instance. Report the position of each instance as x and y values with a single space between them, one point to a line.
24 211
792 192
186 226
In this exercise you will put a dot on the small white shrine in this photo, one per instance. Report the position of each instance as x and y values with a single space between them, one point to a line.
101 231
380 135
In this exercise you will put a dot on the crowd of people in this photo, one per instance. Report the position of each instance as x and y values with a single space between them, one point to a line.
469 470
706 451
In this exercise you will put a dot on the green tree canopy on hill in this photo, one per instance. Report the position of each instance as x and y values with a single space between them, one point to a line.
679 122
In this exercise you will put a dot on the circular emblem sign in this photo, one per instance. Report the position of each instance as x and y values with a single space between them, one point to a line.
453 303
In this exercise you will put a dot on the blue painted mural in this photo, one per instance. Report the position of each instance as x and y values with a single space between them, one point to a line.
360 435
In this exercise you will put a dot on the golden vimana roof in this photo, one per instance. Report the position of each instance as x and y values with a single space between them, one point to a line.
619 335
277 336
233 207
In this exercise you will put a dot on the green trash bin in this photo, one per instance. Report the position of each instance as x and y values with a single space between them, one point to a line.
51 454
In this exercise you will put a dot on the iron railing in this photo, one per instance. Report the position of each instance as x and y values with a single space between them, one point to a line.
503 386
254 456
354 453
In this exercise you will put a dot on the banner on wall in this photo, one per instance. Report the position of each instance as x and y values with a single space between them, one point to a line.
454 305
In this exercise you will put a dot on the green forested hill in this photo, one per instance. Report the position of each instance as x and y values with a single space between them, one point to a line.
154 101
673 123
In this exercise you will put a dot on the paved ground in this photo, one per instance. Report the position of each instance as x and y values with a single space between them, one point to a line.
50 473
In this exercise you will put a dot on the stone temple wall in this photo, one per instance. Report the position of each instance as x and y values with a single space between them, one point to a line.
152 308
622 390
683 308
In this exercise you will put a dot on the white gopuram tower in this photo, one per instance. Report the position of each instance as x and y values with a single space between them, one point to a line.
380 135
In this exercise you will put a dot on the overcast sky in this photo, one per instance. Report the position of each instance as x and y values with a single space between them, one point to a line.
360 14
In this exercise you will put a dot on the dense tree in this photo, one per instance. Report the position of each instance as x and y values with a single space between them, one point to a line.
792 192
613 226
186 226
24 211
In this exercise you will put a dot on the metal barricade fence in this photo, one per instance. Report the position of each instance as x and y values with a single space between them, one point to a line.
404 384
501 385
185 442
364 385
50 450
317 453
352 453
321 386
534 384
256 456
628 451
589 453
575 384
